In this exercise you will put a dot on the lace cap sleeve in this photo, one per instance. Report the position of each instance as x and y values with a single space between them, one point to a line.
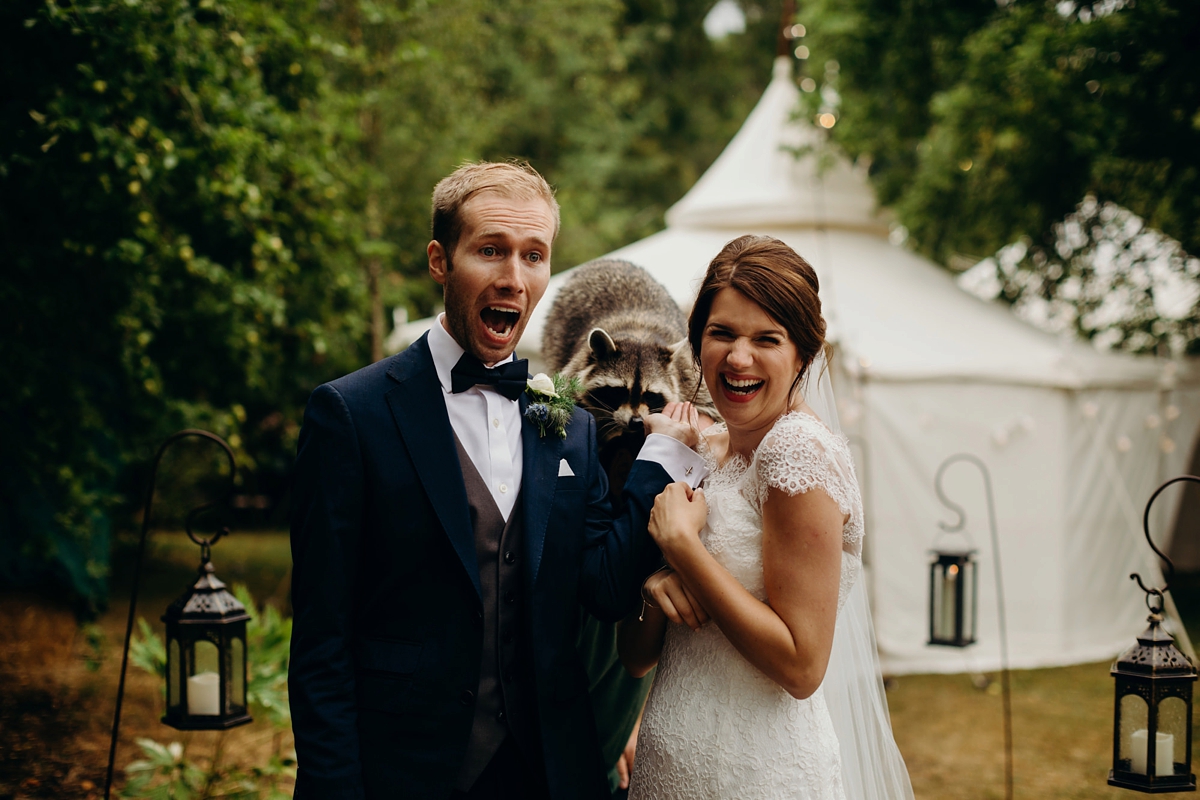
800 454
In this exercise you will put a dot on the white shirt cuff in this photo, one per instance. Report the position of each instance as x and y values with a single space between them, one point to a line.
680 461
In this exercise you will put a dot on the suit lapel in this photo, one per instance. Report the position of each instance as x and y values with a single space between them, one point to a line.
420 414
538 481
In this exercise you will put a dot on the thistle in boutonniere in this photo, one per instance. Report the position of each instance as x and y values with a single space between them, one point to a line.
551 401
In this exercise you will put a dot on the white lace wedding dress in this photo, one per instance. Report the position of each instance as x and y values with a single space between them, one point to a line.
715 727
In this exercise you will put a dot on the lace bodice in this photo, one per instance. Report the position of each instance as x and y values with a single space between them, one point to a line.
716 727
797 455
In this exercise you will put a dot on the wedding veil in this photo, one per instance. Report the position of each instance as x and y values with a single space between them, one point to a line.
872 768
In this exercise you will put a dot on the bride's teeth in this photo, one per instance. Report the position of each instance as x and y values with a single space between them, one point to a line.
744 386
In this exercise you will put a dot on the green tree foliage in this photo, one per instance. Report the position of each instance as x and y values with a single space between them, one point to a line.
986 121
1108 278
175 257
620 105
209 204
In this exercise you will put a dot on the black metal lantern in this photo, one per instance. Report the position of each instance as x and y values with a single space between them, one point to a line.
953 598
206 656
206 632
1152 712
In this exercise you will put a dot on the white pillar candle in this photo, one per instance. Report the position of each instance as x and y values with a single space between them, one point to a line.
1164 753
204 697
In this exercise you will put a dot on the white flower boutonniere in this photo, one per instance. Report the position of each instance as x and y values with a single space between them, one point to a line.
551 401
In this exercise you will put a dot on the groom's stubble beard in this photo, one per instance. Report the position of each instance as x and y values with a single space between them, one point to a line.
455 316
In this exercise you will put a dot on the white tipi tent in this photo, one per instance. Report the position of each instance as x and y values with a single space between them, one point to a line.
1075 439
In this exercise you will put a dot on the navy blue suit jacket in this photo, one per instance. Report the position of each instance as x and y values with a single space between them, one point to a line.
387 635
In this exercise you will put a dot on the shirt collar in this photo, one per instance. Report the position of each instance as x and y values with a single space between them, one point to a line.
446 352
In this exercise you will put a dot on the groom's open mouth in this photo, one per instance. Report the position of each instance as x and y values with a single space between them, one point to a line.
500 321
740 388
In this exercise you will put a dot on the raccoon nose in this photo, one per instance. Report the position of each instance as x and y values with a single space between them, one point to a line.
635 424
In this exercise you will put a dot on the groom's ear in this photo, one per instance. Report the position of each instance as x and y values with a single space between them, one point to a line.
439 261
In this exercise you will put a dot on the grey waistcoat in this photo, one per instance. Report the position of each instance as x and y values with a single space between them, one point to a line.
505 702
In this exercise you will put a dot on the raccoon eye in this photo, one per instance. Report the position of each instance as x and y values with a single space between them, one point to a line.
655 402
608 398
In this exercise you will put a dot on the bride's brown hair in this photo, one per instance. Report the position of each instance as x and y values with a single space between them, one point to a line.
778 280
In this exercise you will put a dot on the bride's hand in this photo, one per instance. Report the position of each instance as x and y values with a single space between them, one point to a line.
677 420
665 590
677 517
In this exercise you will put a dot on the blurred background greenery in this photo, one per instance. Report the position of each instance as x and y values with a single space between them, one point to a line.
209 207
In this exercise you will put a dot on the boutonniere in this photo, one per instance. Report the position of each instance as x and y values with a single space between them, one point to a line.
551 401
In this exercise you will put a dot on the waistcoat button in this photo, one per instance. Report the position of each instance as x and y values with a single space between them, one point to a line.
467 697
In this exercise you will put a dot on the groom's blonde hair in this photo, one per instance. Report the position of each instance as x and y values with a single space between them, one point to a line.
512 179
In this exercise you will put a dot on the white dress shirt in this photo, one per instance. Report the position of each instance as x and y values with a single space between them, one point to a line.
488 425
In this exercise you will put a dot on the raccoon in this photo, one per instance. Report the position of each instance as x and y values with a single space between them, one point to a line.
618 331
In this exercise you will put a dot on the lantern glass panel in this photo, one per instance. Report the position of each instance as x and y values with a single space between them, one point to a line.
173 668
206 657
943 601
967 576
204 684
237 672
1135 716
1172 722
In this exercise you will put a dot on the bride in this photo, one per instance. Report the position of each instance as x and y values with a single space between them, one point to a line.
768 681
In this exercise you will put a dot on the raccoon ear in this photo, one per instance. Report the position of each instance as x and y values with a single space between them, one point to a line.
601 343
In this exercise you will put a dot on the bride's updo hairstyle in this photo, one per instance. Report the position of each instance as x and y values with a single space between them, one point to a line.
775 277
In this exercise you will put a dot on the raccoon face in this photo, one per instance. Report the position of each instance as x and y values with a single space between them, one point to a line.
625 382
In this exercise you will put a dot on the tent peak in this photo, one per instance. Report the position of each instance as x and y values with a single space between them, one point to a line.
781 69
770 175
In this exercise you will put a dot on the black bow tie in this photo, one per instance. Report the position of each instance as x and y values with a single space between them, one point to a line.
508 379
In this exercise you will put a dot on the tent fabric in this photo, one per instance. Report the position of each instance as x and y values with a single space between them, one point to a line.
1075 439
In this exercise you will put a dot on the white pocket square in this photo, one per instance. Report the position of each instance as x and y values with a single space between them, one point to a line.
564 469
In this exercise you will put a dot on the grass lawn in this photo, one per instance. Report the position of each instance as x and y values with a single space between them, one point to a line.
951 734
55 711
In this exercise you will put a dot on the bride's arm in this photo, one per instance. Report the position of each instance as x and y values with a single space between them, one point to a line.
790 637
640 636
640 641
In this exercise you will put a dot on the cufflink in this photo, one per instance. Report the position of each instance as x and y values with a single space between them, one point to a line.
564 469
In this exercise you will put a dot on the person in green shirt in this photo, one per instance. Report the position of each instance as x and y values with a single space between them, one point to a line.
617 699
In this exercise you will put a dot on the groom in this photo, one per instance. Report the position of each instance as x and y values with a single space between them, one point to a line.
441 545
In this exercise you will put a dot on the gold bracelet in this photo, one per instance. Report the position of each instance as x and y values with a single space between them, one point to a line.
645 600
642 616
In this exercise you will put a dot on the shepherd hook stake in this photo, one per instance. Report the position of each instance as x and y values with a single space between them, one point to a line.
958 526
